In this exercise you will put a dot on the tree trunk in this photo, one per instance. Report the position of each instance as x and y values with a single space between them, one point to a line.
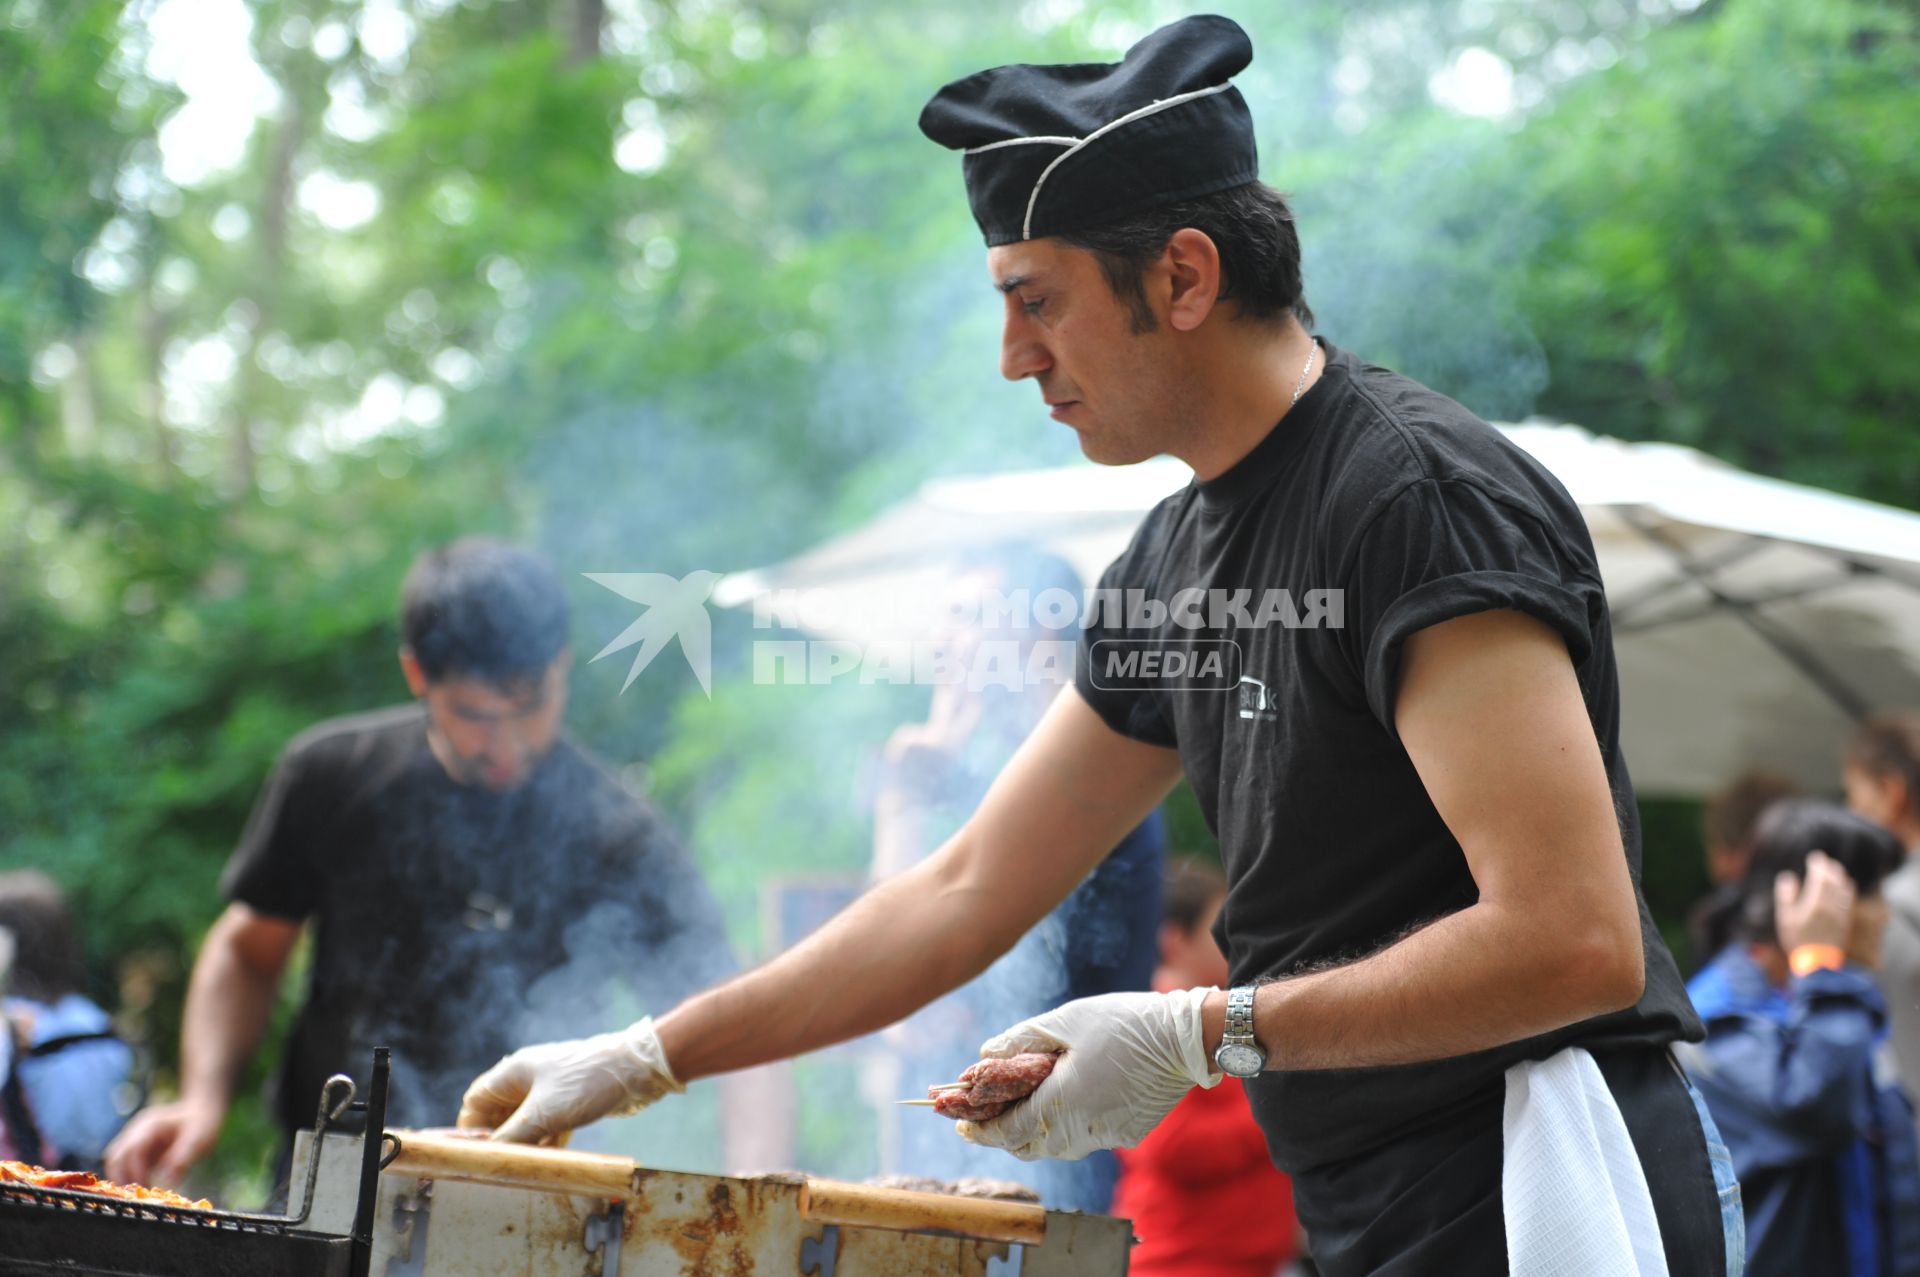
155 326
276 210
584 32
79 400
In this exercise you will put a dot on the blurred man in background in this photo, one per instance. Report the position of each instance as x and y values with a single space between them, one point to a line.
471 876
66 1079
1204 1197
1883 784
1822 1140
1098 940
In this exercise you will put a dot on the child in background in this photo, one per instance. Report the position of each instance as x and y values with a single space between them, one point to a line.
1796 1069
67 1087
1204 1198
1727 824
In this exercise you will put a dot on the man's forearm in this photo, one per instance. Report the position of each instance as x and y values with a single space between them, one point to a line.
1487 975
228 1005
903 943
1070 793
1492 716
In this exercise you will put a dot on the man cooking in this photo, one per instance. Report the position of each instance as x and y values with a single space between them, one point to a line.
471 875
1449 1001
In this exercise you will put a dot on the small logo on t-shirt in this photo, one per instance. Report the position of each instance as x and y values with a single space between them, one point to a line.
487 913
1256 699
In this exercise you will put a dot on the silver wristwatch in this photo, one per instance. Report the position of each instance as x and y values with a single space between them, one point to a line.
1239 1053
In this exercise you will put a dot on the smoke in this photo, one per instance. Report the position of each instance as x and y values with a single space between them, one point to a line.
459 924
1411 264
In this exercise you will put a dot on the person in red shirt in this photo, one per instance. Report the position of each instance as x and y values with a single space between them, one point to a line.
1204 1198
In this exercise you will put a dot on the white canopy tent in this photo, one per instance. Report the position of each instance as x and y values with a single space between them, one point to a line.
1755 620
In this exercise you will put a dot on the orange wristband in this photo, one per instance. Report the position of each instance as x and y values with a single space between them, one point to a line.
1808 958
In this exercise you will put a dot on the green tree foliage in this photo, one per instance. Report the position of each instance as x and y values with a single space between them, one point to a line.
1728 255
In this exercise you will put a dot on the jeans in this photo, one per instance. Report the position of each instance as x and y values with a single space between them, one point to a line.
1733 1216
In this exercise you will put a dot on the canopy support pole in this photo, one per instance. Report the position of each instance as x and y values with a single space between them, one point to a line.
1789 648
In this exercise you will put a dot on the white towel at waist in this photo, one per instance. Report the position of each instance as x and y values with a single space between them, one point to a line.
1574 1197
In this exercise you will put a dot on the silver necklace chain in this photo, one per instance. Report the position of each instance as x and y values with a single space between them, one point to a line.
1300 387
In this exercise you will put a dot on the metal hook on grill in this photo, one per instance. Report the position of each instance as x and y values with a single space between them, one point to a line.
332 1110
388 1137
335 1097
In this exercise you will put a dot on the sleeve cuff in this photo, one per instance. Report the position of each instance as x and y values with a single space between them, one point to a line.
1133 716
1465 594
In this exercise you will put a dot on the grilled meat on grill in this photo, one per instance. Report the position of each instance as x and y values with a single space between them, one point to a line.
86 1182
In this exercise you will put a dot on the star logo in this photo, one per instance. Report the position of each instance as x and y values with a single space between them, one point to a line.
675 609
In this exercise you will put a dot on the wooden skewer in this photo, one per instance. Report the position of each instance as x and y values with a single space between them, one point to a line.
925 1104
950 1086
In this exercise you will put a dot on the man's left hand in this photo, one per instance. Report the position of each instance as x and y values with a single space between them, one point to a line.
1125 1060
539 1093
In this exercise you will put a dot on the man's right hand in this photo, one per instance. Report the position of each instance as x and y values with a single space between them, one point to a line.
541 1092
162 1143
229 1000
1817 909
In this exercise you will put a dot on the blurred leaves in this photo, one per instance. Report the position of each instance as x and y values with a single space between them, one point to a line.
1730 256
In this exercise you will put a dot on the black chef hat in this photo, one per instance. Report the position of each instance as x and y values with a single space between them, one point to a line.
1053 149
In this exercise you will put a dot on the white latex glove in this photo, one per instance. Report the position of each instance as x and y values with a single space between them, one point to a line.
1127 1059
540 1092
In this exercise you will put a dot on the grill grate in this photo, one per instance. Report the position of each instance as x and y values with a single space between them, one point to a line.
77 1202
71 1232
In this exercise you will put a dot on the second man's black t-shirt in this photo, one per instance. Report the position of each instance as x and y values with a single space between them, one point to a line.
1374 509
454 923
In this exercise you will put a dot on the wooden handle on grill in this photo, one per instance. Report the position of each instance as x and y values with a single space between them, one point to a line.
546 1170
864 1206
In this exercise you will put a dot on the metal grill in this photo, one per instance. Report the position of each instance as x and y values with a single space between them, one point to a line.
75 1233
452 1208
77 1202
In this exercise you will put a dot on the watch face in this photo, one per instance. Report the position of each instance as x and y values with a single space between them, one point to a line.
1239 1061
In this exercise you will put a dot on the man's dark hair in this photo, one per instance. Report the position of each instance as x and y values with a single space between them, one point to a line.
1191 888
46 958
1730 816
1889 744
484 610
1252 227
1792 830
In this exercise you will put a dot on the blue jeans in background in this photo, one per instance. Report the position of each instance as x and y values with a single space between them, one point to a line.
1733 1216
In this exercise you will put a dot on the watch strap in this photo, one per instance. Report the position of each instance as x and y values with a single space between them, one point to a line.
1239 1028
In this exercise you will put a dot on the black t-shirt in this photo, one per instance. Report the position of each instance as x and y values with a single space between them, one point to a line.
1376 508
453 923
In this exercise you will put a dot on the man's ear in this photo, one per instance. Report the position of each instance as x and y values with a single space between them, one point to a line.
1192 262
416 677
